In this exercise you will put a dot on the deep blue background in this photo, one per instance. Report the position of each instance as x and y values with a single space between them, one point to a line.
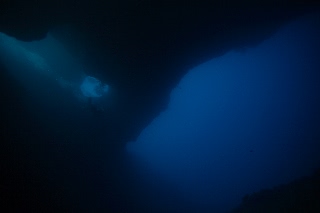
242 122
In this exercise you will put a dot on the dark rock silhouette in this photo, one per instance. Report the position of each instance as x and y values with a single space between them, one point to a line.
301 195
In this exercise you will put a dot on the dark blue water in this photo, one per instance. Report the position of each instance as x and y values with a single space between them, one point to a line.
242 122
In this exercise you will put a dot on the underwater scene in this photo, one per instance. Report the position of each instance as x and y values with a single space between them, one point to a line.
138 106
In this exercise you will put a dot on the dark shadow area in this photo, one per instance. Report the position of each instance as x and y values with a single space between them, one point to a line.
301 195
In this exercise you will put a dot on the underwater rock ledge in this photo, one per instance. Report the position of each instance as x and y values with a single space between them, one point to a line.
301 195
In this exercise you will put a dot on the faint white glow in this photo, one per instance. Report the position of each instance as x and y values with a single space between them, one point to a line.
92 87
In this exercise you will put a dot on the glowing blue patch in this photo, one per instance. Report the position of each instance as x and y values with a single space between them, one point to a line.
92 87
